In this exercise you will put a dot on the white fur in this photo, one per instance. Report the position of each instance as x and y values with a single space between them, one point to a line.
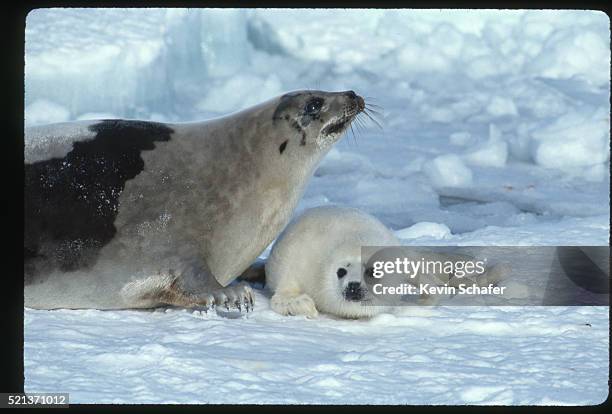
54 141
133 291
302 267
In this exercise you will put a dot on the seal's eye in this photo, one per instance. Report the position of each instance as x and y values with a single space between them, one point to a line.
313 106
341 272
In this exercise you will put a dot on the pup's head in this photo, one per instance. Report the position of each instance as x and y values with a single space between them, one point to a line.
345 290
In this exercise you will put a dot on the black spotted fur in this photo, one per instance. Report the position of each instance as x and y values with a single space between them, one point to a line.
71 203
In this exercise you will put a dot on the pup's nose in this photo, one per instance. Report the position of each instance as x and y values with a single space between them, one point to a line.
354 286
353 291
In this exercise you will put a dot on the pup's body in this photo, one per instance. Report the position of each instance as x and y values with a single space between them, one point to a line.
315 264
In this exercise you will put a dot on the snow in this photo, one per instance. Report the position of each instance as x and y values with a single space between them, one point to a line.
425 229
495 131
447 355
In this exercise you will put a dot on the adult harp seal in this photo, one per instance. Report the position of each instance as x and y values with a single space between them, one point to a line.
133 214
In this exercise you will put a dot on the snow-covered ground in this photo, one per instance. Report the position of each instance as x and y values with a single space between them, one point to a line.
495 132
449 355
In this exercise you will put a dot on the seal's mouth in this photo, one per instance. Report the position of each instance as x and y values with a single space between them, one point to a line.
337 127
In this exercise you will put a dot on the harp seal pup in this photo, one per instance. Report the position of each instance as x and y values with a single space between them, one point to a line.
315 265
133 214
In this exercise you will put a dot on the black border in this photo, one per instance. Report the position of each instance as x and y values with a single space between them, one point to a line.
12 355
382 4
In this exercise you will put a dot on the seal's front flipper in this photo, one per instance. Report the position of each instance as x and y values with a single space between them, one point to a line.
294 305
171 290
238 296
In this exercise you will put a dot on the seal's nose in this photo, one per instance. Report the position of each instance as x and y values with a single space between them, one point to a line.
353 286
358 99
360 103
353 291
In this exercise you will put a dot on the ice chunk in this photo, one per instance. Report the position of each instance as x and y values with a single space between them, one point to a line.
96 115
461 138
575 51
225 46
519 142
596 172
263 36
43 111
484 66
97 60
420 58
339 163
239 92
573 140
448 171
425 229
501 106
493 153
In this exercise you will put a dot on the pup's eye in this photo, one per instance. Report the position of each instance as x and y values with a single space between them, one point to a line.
314 105
341 272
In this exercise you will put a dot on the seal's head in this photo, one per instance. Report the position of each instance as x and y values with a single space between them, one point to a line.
317 118
344 289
